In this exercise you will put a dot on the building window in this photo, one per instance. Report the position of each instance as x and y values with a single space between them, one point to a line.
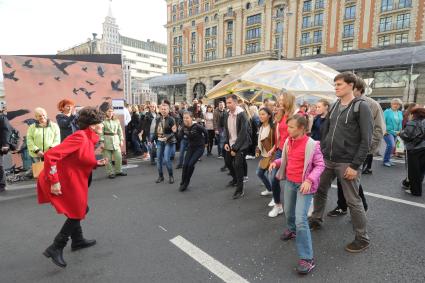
350 13
215 17
196 10
214 30
181 14
386 5
229 39
229 52
175 41
317 36
190 11
229 11
277 42
320 4
174 18
317 49
193 36
174 29
252 47
260 2
193 58
208 32
318 19
248 6
207 7
387 79
252 20
193 47
230 26
347 45
403 21
348 31
307 6
306 22
305 52
193 23
401 38
305 38
279 12
206 19
174 8
385 24
253 33
405 4
279 27
384 40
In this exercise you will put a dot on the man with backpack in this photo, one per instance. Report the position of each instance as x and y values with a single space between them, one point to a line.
345 144
5 131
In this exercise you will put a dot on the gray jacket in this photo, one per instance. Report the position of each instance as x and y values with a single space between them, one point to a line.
346 136
379 127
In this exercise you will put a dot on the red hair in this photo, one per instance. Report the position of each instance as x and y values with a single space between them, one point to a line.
63 103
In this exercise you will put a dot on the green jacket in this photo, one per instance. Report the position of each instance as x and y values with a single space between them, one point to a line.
112 134
35 135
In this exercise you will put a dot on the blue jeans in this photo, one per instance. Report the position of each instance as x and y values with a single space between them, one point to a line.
183 148
390 141
135 141
220 142
296 209
263 174
192 156
151 140
164 152
275 182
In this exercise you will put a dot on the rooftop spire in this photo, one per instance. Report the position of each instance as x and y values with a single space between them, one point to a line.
110 9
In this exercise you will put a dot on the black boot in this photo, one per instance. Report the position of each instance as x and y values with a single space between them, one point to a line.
160 179
78 241
55 251
183 187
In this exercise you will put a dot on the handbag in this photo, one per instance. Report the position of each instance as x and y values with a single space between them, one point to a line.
265 161
37 167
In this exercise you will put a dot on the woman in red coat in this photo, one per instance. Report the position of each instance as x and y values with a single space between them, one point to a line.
65 179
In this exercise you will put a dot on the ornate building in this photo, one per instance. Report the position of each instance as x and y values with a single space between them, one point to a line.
208 39
141 59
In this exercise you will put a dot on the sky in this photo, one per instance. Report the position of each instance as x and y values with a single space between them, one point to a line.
45 26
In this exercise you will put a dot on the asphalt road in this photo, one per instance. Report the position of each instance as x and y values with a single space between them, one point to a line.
134 219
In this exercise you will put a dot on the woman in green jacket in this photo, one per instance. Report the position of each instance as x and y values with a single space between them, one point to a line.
42 135
112 139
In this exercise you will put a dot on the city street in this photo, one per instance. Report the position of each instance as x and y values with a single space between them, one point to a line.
153 233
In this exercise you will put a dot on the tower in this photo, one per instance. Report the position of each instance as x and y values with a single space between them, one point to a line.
111 37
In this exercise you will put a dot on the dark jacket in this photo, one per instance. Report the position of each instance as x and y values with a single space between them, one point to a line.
243 140
136 123
413 134
5 131
146 124
218 119
168 132
196 135
67 125
347 135
315 129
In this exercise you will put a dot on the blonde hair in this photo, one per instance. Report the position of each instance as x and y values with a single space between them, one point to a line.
287 107
40 111
253 110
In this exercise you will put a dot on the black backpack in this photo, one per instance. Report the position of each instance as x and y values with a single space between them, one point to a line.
13 140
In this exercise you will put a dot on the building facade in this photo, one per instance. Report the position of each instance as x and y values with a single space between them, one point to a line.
208 39
141 59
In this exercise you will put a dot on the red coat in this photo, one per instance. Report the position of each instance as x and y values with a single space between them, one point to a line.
71 164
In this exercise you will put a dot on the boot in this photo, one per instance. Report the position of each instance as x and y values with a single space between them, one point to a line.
55 251
78 241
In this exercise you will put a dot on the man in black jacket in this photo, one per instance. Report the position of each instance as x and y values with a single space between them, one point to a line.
237 140
4 139
345 143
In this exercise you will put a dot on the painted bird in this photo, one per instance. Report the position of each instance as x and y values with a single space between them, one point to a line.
116 85
62 66
100 71
11 76
27 64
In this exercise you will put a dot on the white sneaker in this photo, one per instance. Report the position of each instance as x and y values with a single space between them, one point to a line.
266 193
245 179
271 203
248 157
277 209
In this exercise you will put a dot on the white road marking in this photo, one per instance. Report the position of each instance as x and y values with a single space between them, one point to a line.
412 203
400 161
22 187
220 270
17 197
162 228
130 166
115 196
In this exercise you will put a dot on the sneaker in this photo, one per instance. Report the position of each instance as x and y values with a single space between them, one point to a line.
220 157
305 266
266 193
238 194
405 184
288 235
111 176
232 183
367 171
337 212
271 203
314 224
249 157
121 174
392 163
245 179
357 246
387 164
408 191
276 210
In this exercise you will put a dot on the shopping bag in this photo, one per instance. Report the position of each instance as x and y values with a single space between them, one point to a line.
399 145
37 167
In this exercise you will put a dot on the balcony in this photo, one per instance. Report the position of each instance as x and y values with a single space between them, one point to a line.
349 17
192 50
350 1
229 16
210 46
314 40
394 26
312 25
348 34
396 7
319 6
307 9
229 41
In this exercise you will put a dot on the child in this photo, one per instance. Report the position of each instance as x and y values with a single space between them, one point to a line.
301 166
112 139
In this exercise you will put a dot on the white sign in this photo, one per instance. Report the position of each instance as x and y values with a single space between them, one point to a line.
118 105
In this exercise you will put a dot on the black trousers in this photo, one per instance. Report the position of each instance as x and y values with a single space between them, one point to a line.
211 136
342 203
71 225
2 177
368 162
236 165
192 156
416 170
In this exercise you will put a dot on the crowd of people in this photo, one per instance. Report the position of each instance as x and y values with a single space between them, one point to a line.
301 150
